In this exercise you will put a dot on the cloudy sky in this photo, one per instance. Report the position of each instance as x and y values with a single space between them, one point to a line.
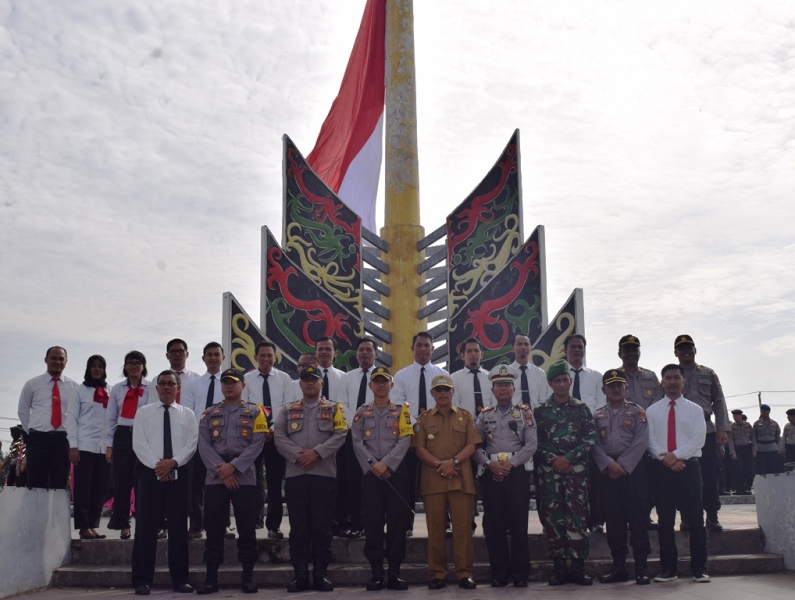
140 152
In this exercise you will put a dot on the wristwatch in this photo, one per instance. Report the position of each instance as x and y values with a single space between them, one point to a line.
456 462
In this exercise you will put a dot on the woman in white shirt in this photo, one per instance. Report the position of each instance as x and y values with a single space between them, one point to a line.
85 430
126 397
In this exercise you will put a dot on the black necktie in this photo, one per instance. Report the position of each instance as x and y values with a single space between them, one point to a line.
211 393
266 390
325 383
168 451
423 393
362 389
525 386
478 392
575 392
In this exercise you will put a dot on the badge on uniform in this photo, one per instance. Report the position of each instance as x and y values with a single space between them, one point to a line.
246 411
642 415
649 392
394 432
245 422
603 432
244 432
356 417
215 422
627 422
516 414
491 437
216 411
430 436
293 425
216 433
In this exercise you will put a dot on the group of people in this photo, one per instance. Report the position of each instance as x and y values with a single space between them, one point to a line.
351 449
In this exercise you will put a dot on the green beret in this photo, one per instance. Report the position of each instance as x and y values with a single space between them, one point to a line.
559 367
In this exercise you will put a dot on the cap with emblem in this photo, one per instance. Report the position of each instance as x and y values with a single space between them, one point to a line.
309 372
628 340
381 372
737 411
683 339
442 381
791 412
557 368
232 374
614 376
764 407
503 373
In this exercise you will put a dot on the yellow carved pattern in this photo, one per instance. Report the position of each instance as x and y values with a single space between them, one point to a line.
243 344
565 324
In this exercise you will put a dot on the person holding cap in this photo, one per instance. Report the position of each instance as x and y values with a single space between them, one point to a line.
231 436
444 438
381 436
308 434
566 434
787 447
768 436
742 448
509 440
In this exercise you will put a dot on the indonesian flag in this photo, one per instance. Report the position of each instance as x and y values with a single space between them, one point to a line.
347 154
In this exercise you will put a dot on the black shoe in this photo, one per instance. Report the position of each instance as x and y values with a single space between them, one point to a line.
641 577
714 525
376 583
162 534
142 590
560 573
260 524
249 588
499 582
299 584
652 526
467 583
577 574
207 588
396 583
436 584
597 529
684 528
448 532
355 533
618 572
344 532
666 576
701 576
321 584
184 588
275 534
520 583
409 533
125 536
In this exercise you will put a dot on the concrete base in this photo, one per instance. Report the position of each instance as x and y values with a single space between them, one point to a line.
36 538
775 510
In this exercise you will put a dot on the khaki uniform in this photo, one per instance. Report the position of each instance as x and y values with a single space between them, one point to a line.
768 436
643 389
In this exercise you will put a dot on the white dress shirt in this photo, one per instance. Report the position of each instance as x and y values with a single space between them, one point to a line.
185 377
194 396
86 422
351 382
115 404
691 429
279 384
407 386
590 388
148 434
35 402
464 392
536 380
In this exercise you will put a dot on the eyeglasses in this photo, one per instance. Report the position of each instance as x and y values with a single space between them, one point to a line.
167 383
133 363
177 351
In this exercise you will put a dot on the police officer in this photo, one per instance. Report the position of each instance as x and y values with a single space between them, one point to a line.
231 436
621 443
381 435
768 436
566 435
787 446
742 446
509 442
308 434
643 386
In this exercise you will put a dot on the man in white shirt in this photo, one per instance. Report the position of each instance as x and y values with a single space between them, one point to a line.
325 351
42 412
165 435
177 355
472 387
531 388
676 473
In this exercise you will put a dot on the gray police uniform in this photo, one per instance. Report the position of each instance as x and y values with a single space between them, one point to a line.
643 389
787 446
768 436
742 444
510 435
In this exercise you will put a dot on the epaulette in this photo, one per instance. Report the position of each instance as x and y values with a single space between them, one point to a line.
632 405
487 409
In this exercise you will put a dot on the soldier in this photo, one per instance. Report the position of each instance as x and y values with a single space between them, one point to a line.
231 436
381 433
702 386
444 438
509 442
742 448
308 434
768 435
621 443
566 434
787 447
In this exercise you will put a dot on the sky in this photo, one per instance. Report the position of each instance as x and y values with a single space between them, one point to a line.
140 153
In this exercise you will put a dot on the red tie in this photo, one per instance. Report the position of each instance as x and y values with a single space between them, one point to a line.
672 427
55 420
130 405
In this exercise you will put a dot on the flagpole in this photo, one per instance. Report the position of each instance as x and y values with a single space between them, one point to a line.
402 229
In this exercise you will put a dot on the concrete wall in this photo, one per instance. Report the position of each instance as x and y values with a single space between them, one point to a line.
775 511
36 538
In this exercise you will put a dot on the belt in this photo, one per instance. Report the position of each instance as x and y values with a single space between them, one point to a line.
766 441
50 433
501 456
124 427
227 457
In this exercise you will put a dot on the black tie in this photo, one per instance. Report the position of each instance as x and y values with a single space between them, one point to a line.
575 392
266 390
525 386
478 392
423 393
168 451
211 393
362 389
325 383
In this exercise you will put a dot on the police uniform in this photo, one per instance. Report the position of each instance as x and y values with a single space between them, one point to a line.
742 445
787 446
623 437
768 436
233 433
318 426
509 435
383 434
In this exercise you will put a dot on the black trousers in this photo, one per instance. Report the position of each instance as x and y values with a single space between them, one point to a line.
766 463
596 514
789 455
273 480
381 505
505 507
625 500
48 459
743 476
197 473
90 482
413 468
708 463
348 498
310 515
684 489
155 501
246 502
125 467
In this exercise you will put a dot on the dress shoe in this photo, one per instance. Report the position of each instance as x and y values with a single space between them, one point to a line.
230 533
275 534
618 571
436 584
499 583
409 533
207 588
299 584
260 524
355 533
142 590
700 576
520 583
666 576
125 536
642 578
396 583
652 526
577 574
467 583
195 535
376 583
714 525
597 529
99 536
184 588
344 532
249 587
321 584
88 536
162 534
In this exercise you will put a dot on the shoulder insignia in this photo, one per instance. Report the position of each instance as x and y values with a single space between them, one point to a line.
642 415
487 409
525 407
357 417
416 427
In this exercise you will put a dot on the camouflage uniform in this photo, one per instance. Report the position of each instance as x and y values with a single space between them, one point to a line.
564 430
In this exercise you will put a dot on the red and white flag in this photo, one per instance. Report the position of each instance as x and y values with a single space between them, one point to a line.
347 154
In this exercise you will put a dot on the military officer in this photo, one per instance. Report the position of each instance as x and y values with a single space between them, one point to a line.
308 434
231 436
566 434
787 446
444 438
621 443
381 435
742 447
768 435
509 442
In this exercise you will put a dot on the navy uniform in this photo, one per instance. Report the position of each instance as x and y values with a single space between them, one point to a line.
742 447
383 434
231 432
623 438
768 437
317 425
787 445
509 435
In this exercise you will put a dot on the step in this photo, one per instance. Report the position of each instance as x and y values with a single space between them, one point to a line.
357 574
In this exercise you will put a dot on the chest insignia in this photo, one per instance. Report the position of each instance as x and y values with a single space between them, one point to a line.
216 433
431 436
516 414
215 422
293 425
367 433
